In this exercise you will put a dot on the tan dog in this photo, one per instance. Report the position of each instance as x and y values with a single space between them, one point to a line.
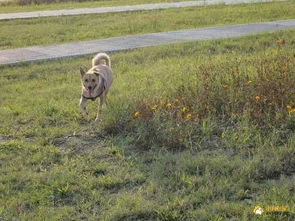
96 82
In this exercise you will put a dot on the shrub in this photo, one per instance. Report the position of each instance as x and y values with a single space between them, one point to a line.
220 93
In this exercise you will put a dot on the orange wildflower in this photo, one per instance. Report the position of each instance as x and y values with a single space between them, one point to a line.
289 107
280 42
184 109
188 116
154 107
257 98
284 68
225 86
136 114
169 105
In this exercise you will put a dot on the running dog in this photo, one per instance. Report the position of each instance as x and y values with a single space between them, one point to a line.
96 82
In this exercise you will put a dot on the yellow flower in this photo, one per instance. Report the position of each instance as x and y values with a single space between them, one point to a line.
225 86
169 105
249 82
280 42
184 109
136 114
188 116
257 98
162 102
177 100
289 107
284 68
154 107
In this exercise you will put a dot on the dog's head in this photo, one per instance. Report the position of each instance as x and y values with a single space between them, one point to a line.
90 80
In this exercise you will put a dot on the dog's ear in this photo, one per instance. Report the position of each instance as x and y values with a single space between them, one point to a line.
82 71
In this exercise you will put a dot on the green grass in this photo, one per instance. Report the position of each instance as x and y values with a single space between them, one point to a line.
43 31
235 152
41 5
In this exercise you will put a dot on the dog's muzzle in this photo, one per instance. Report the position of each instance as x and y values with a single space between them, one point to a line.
90 89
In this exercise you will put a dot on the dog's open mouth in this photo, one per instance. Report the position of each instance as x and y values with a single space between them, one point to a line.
90 90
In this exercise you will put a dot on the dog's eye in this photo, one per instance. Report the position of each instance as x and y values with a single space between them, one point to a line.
93 80
86 80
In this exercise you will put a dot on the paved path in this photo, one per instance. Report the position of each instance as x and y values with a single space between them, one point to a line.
124 8
37 53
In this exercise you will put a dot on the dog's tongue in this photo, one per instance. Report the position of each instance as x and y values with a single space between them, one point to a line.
89 92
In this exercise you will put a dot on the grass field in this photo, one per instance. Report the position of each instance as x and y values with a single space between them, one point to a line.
43 31
10 6
194 131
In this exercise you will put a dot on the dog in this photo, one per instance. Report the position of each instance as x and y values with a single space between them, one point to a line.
96 82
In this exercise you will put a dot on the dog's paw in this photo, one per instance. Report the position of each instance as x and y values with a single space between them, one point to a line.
97 120
84 114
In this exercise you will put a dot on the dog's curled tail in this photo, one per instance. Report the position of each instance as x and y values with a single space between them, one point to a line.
101 58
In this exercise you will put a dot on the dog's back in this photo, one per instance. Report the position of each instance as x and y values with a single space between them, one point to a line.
102 63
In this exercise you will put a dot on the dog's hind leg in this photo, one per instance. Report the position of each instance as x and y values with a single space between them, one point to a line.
83 102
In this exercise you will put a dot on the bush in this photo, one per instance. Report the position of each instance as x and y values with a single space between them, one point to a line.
219 94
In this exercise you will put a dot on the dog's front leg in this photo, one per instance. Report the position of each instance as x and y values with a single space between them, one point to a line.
102 101
83 102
